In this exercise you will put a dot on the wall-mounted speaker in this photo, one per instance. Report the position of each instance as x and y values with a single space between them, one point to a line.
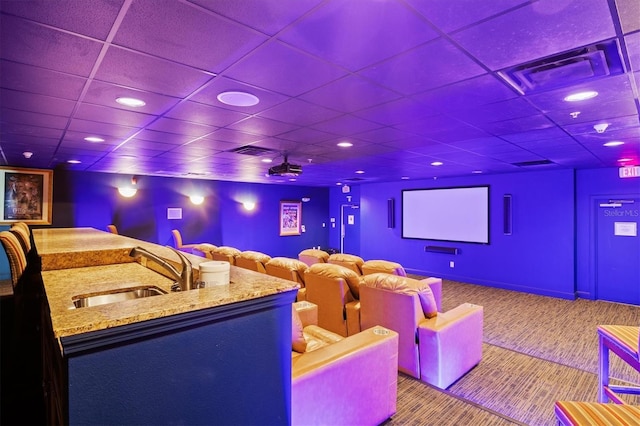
441 249
391 213
507 221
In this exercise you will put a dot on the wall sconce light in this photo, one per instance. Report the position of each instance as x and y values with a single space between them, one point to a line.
128 192
197 199
249 205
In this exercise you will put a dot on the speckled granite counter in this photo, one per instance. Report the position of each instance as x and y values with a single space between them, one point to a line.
64 248
213 355
71 248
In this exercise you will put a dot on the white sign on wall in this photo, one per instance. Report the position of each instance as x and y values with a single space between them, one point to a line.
174 213
626 229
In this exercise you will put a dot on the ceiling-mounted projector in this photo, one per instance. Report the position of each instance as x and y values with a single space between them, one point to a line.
285 169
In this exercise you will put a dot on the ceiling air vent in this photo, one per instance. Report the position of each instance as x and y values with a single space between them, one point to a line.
566 69
255 151
533 163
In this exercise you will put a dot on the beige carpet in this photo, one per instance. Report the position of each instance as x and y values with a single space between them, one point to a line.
537 350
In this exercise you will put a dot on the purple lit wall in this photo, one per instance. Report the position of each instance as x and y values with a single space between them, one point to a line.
538 257
84 199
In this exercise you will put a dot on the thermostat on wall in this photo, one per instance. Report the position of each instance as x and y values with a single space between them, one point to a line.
174 213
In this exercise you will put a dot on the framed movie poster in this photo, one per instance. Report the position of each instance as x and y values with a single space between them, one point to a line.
26 196
290 217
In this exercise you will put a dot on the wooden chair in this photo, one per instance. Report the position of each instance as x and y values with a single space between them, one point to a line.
623 341
579 413
179 245
112 228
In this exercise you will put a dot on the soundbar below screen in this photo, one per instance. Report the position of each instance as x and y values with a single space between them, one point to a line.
446 214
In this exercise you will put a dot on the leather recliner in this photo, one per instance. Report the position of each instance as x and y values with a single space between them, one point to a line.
204 250
350 261
385 266
311 256
437 348
252 260
225 254
288 269
334 289
341 380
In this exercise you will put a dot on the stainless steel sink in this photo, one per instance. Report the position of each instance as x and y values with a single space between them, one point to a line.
116 296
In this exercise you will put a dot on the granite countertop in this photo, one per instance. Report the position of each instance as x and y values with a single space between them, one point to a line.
62 285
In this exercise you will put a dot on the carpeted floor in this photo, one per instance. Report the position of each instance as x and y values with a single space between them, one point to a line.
537 350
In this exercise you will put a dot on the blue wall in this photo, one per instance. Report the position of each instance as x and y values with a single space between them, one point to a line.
592 184
548 253
84 199
538 257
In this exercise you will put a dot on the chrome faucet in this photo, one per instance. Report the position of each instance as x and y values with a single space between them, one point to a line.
184 279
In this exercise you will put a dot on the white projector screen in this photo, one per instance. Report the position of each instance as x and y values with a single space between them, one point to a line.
446 214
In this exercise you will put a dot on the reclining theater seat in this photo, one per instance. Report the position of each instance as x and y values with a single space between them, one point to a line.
252 260
341 381
288 269
204 250
311 256
350 261
225 253
334 289
437 348
376 266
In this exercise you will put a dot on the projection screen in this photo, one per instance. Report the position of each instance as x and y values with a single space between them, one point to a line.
458 214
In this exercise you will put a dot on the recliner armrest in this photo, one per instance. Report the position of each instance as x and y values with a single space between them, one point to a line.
352 310
453 317
450 344
308 312
362 367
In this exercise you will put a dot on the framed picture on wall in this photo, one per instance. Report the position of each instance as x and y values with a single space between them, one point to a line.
26 196
290 218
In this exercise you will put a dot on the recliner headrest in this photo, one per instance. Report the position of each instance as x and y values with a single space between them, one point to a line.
329 270
404 285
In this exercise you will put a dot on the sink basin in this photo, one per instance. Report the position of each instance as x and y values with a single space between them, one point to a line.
116 296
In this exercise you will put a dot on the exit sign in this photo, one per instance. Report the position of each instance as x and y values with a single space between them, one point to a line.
628 172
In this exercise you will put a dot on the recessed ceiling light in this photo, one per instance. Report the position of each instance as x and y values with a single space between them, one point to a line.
574 114
581 96
437 163
27 154
405 178
74 161
477 171
359 172
345 144
614 143
338 183
267 160
131 102
622 160
241 99
292 180
93 139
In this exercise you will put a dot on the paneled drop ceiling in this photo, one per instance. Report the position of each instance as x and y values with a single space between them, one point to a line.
476 85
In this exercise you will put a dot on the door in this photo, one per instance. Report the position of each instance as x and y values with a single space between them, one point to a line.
618 250
350 229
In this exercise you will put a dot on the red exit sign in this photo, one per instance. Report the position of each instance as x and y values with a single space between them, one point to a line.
628 172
